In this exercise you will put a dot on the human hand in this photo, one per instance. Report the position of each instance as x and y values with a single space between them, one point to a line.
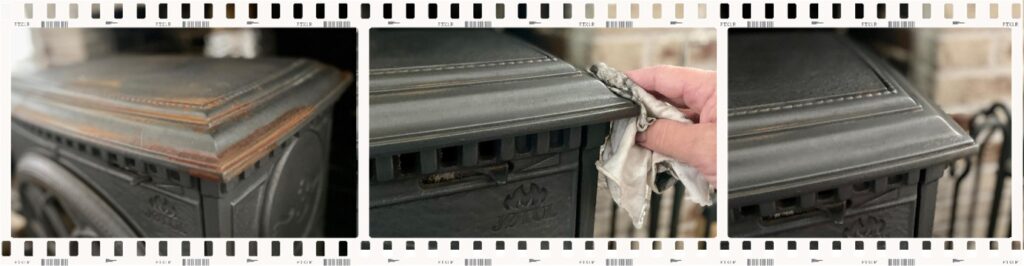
694 92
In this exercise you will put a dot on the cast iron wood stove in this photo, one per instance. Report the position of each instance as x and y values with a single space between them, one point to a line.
827 140
477 134
169 146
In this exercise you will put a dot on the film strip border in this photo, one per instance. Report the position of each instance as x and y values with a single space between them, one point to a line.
257 13
490 252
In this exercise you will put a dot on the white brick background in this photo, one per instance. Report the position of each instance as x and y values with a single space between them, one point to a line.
972 68
971 72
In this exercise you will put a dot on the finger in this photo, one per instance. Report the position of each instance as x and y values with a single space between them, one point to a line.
692 144
690 114
680 86
712 180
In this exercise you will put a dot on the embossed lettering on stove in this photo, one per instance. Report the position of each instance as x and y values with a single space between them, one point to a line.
866 226
162 211
305 195
525 205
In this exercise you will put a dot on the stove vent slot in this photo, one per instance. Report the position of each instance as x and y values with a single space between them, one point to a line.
472 154
827 195
408 163
449 157
141 170
488 151
849 195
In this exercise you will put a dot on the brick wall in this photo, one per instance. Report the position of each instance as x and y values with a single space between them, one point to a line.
627 49
970 72
971 68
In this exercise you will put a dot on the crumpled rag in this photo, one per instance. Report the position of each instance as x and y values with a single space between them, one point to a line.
629 170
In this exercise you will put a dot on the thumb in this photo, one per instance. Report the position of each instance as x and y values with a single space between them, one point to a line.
692 144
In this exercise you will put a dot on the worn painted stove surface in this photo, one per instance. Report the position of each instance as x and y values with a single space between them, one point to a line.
213 117
475 133
807 107
430 87
827 140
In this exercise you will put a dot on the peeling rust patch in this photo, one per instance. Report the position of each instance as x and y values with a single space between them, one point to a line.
98 84
97 110
109 106
73 126
261 141
201 122
113 88
230 162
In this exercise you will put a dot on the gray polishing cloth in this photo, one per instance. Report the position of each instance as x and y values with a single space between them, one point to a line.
627 169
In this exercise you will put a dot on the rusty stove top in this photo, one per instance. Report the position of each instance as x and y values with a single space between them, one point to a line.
214 117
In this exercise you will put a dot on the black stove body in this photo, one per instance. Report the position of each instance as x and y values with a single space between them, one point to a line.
827 140
474 133
175 146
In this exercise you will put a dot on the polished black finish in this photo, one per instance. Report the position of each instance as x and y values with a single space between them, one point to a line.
826 140
474 133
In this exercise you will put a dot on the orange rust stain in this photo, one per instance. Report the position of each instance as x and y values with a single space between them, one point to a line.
235 159
214 167
201 102
74 126
98 84
230 162
99 133
234 111
104 105
261 141
198 123
28 114
195 122
210 176
115 86
183 156
199 163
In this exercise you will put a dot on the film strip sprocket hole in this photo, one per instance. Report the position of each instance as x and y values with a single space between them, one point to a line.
741 11
341 248
628 252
